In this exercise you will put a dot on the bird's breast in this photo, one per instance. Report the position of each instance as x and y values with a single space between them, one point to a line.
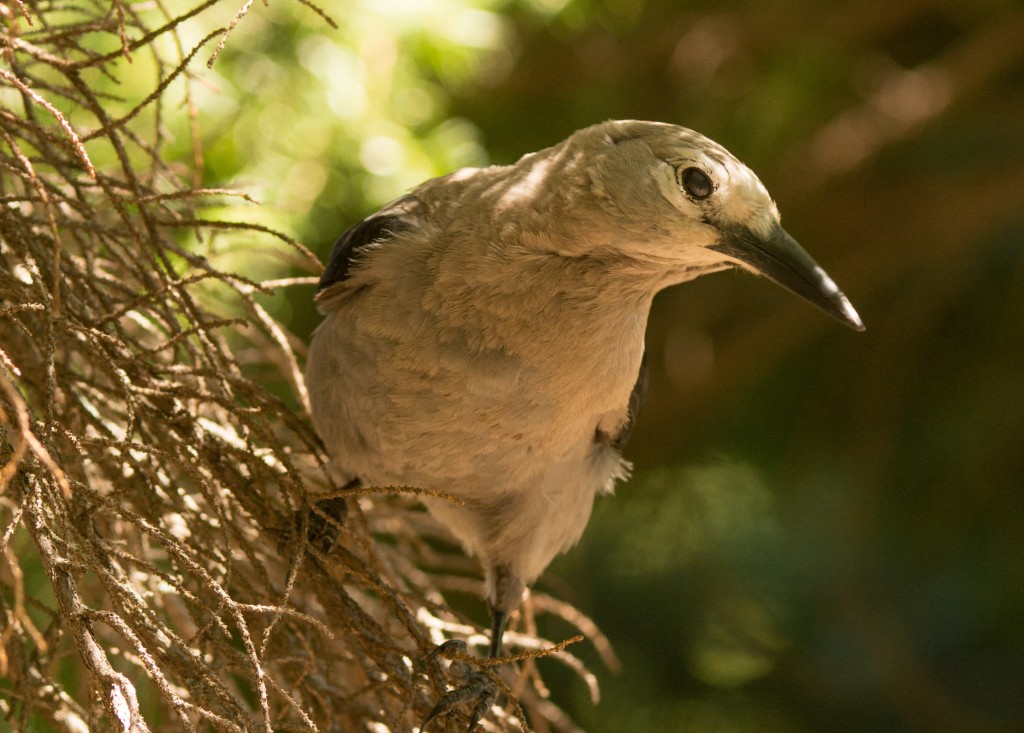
452 383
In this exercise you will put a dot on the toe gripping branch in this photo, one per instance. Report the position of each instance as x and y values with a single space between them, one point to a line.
323 528
322 533
479 686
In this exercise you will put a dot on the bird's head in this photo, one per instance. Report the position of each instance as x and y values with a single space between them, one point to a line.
693 208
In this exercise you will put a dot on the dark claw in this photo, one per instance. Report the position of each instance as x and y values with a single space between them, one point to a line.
448 649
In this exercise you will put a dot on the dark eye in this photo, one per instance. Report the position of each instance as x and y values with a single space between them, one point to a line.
697 183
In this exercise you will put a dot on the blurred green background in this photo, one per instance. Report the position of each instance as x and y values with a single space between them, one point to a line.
825 531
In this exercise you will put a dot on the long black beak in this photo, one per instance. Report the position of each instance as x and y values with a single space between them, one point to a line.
780 259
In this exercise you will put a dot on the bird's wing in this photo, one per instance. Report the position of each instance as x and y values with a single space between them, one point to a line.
636 402
398 216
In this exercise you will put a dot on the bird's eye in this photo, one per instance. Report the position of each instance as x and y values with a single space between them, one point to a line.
697 183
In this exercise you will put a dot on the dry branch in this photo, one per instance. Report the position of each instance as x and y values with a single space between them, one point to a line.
161 488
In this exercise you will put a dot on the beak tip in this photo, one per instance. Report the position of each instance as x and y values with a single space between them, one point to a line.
779 258
849 316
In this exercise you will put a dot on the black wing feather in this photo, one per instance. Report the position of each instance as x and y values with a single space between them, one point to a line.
394 218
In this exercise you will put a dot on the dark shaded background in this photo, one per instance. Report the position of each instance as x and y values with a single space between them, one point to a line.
825 531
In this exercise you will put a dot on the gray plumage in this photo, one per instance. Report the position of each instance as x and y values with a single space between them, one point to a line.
484 334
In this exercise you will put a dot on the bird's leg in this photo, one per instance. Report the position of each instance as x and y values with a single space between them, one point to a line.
499 619
505 592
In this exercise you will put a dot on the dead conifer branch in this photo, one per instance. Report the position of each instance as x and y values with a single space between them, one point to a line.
145 466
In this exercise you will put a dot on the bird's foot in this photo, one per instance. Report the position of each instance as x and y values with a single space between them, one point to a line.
322 533
479 687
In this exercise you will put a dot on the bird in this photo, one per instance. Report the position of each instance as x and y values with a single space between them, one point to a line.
483 334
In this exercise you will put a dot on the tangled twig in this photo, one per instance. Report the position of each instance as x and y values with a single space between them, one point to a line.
145 467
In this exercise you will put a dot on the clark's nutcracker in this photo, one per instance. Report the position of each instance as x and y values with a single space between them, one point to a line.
484 334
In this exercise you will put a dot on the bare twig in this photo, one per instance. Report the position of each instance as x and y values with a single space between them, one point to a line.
145 466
